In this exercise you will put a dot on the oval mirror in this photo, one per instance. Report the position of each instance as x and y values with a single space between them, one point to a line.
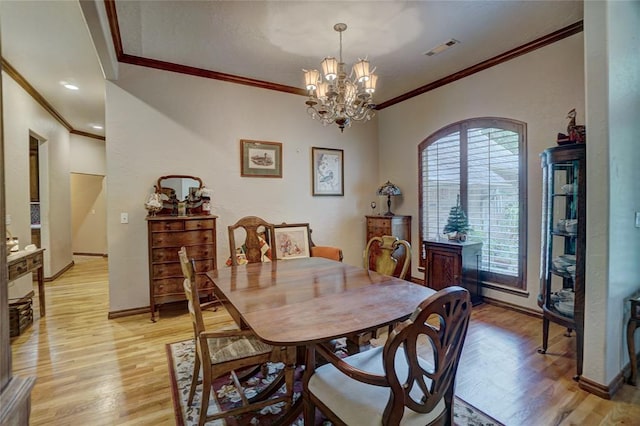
179 187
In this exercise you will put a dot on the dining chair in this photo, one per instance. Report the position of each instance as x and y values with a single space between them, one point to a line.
409 381
328 252
226 352
382 255
385 252
189 271
259 235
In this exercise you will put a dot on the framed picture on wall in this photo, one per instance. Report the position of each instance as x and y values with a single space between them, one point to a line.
327 166
292 241
260 159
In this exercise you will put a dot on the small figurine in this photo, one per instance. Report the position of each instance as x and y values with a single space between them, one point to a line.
153 204
575 133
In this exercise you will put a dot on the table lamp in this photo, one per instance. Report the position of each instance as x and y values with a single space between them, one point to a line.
389 189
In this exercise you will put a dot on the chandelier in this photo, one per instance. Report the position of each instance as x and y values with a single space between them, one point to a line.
338 98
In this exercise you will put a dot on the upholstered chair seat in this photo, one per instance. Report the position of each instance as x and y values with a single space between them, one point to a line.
358 403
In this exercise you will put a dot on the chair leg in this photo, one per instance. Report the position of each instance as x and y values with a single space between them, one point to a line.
309 412
194 379
204 404
290 369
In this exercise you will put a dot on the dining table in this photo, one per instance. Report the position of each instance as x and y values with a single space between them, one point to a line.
305 301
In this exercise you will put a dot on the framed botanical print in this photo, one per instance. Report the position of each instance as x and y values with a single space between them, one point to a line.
260 159
292 241
327 166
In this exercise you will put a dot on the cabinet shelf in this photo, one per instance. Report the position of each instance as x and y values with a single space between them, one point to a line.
563 167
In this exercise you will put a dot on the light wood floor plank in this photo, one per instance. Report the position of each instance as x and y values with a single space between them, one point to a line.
95 371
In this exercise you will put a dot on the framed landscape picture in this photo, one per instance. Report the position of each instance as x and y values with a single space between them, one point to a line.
260 159
327 166
292 241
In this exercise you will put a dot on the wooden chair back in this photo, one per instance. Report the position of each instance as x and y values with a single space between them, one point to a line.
253 227
443 318
195 313
188 268
382 254
419 359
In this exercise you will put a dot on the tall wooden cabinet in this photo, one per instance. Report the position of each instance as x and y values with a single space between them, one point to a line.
398 226
562 283
166 235
453 263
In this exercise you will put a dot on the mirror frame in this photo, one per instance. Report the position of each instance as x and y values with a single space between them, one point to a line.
169 208
161 178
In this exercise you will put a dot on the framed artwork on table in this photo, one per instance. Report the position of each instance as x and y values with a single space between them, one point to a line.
327 166
260 159
292 241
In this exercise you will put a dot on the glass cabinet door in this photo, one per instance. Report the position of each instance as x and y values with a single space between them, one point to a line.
563 242
562 236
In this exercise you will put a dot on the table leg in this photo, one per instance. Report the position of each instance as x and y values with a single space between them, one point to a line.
40 274
632 325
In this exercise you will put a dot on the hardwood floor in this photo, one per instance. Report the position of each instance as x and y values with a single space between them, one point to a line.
94 371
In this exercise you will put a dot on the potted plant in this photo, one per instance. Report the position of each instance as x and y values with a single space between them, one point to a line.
457 224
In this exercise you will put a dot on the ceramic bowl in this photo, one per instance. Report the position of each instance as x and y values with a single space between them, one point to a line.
559 264
571 225
567 189
565 308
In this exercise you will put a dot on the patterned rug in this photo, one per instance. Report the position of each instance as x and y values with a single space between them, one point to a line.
180 357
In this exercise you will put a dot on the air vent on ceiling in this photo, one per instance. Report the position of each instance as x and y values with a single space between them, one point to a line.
441 48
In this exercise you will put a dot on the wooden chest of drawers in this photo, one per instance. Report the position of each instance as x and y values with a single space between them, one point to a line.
166 235
398 226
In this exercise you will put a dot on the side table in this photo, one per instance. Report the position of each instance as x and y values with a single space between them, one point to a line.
632 326
23 262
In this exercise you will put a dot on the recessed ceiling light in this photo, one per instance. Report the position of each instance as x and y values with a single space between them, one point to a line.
97 126
69 85
441 48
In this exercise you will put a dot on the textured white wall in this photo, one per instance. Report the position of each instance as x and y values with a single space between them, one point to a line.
88 213
88 155
23 116
612 47
538 89
163 123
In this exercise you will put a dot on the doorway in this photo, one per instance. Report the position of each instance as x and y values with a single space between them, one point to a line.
34 190
88 215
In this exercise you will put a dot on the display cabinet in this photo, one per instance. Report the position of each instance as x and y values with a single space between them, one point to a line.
562 257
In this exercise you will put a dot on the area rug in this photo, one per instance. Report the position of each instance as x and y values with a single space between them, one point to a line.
181 357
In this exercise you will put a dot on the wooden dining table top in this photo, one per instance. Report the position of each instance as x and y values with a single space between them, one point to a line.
309 300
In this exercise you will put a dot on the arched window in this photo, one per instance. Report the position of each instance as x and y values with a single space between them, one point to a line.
484 161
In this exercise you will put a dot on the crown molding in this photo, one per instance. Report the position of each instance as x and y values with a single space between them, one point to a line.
22 82
214 75
496 60
112 16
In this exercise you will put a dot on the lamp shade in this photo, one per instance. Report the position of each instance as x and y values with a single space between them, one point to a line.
330 68
389 189
311 79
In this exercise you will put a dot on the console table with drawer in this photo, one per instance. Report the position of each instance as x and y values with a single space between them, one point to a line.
24 262
166 235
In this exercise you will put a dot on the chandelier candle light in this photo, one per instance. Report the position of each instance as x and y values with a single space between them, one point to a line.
341 99
389 189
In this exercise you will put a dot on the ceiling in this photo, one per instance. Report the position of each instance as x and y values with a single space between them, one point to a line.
48 42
